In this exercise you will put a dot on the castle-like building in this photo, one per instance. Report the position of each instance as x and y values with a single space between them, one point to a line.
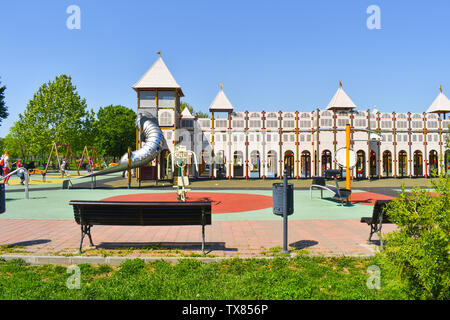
242 144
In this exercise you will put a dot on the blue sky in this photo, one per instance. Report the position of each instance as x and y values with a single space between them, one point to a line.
270 55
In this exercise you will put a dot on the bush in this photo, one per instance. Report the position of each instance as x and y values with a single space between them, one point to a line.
416 255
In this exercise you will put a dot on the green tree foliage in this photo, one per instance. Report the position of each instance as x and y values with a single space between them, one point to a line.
198 114
115 130
3 108
56 113
416 255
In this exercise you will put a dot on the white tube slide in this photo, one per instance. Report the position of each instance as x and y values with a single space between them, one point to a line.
153 141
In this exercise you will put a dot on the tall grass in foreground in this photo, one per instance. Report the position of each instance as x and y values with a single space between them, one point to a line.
302 277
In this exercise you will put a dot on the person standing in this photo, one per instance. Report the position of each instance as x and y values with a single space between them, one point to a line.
20 173
6 167
64 168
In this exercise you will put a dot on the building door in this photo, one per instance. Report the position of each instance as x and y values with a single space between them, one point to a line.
373 163
360 164
326 161
305 164
434 162
272 164
255 164
402 164
289 163
387 164
238 164
418 163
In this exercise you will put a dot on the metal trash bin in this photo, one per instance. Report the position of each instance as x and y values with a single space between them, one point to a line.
2 198
278 198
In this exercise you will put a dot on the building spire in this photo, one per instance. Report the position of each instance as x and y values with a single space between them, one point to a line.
340 84
159 52
441 88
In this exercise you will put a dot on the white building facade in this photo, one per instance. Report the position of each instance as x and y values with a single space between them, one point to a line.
233 144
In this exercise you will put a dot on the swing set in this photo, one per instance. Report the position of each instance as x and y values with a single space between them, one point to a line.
90 154
54 152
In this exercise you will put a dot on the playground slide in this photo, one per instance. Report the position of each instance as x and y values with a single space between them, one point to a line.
153 140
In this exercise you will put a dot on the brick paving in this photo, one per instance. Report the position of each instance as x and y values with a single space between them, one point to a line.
223 238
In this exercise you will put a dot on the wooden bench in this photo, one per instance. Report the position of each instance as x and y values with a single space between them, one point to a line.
118 213
341 194
377 219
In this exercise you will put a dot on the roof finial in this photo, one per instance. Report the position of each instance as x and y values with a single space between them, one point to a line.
159 52
441 88
340 84
221 85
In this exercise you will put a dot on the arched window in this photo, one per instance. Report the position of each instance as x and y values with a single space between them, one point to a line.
165 119
326 160
418 163
402 163
271 164
305 163
387 163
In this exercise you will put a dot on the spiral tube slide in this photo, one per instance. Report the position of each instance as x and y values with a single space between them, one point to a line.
153 139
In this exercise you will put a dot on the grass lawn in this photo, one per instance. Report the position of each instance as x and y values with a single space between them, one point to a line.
280 278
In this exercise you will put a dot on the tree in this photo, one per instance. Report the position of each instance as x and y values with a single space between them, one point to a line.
115 130
56 113
197 114
3 108
416 256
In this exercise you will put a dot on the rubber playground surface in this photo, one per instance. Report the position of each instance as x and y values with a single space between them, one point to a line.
243 222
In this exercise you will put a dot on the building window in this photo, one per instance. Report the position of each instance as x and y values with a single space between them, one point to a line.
187 123
221 123
305 123
360 123
432 124
386 124
272 123
147 99
343 122
326 122
165 119
289 123
402 124
238 123
417 124
255 124
166 98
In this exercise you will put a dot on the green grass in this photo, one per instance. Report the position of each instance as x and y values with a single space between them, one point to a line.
302 277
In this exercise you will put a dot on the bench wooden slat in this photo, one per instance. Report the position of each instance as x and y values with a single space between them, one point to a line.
89 213
377 219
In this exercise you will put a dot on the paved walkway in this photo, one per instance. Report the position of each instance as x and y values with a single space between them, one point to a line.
224 238
44 225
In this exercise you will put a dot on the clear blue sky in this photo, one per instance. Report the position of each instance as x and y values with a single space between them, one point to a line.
270 55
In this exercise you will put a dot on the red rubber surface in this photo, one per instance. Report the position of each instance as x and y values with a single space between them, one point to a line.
368 198
221 202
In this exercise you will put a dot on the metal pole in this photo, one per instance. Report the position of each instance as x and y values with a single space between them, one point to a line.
27 178
285 216
129 168
347 160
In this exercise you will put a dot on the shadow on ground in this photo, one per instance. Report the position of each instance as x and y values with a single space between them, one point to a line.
194 246
302 244
29 243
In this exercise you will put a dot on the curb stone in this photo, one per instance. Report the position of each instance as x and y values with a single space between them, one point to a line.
116 261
